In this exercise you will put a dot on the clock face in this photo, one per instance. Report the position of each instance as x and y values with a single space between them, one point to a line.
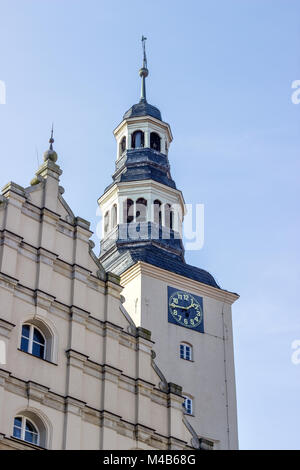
185 309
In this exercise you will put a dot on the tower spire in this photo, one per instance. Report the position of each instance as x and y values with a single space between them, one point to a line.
51 140
144 71
50 154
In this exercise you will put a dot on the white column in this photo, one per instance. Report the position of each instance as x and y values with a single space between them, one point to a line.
163 214
149 209
147 138
121 209
163 145
134 211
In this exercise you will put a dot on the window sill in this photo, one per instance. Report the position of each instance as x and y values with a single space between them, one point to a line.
187 360
36 357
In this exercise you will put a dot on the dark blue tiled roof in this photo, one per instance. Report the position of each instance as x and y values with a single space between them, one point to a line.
140 233
145 171
122 259
143 164
143 109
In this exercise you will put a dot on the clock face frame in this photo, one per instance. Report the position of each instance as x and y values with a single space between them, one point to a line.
185 309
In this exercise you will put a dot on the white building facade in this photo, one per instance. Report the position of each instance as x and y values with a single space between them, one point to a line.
78 373
129 350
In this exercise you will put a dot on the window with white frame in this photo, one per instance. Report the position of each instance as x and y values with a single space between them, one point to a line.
33 341
186 352
188 405
25 430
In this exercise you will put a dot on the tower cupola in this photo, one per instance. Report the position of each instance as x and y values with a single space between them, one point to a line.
142 206
142 210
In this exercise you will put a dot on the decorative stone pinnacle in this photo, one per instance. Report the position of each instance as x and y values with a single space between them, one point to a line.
50 154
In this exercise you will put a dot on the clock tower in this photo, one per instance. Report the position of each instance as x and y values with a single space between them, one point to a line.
187 312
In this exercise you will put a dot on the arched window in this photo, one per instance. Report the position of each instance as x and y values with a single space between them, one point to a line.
137 139
32 427
106 222
128 212
186 352
123 145
155 141
141 210
157 212
25 430
114 215
39 339
172 220
188 405
33 341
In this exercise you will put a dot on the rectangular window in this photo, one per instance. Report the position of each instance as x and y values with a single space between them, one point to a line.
185 352
188 405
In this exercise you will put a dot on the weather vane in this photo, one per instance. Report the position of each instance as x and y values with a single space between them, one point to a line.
51 140
144 72
144 39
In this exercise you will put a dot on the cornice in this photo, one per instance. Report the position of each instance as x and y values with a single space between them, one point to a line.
142 268
44 394
12 189
6 327
8 282
43 300
137 186
138 119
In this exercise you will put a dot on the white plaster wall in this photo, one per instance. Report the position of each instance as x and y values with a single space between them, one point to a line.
98 371
209 378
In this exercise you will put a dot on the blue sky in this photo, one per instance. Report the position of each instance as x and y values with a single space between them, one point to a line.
221 73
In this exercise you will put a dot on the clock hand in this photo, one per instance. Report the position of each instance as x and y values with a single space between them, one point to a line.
192 305
179 306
